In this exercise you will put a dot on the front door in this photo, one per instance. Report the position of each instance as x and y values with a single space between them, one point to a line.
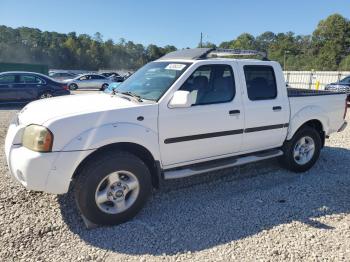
211 127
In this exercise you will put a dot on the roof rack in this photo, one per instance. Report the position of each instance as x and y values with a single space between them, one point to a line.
204 53
222 52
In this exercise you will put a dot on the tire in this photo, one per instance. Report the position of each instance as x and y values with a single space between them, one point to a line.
104 87
73 87
45 95
298 158
100 176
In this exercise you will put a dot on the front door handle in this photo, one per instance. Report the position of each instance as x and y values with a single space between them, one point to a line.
234 112
277 108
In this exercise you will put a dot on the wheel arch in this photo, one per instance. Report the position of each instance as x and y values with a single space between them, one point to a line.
138 150
313 116
315 124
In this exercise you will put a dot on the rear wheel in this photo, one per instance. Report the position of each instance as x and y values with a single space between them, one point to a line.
104 87
73 87
302 151
112 188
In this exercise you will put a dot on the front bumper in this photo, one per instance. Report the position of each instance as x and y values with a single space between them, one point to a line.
47 172
28 167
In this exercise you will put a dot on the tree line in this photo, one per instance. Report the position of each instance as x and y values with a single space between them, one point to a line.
327 48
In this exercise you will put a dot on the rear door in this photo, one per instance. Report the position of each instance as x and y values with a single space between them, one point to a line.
7 93
28 87
266 105
97 81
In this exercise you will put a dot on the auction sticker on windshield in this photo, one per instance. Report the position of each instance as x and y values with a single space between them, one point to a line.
178 67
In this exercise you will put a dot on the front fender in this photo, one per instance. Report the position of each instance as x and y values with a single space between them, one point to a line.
306 114
80 147
111 133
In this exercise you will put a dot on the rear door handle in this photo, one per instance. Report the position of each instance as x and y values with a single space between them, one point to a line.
234 112
277 108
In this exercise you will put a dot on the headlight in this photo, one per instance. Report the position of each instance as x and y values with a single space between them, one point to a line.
37 138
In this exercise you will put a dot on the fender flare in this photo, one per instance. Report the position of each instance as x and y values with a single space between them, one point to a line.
86 143
306 114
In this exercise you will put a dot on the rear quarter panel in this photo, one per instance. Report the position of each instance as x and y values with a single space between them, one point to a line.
328 109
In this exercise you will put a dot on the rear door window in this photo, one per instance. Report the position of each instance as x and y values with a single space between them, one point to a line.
30 79
261 82
97 77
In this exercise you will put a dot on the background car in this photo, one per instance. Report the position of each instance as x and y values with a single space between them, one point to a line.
89 81
115 77
127 75
111 87
60 76
27 86
341 86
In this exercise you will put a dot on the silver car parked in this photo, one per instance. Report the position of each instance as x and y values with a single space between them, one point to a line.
61 76
89 81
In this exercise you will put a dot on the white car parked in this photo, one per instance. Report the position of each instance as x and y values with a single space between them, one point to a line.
187 113
88 81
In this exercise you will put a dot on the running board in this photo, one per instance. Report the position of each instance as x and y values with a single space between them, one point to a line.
219 164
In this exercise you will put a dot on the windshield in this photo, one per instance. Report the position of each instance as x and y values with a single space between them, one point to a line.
346 80
153 80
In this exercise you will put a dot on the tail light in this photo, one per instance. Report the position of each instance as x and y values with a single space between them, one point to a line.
65 87
346 108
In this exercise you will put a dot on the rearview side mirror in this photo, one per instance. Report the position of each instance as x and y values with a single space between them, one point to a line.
180 99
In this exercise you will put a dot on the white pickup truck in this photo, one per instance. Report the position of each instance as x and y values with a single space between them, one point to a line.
190 112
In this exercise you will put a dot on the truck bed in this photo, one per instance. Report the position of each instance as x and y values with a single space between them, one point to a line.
297 92
326 105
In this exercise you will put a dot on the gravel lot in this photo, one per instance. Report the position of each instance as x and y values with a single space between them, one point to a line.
256 212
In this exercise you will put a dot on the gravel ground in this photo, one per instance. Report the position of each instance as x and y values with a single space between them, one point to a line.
256 212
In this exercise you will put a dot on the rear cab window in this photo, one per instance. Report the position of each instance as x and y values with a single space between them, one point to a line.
260 82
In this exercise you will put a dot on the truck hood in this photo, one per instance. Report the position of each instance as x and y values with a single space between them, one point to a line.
40 111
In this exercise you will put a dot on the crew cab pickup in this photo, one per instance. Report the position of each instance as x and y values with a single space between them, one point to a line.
190 112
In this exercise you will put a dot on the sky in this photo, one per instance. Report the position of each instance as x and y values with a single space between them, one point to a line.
177 22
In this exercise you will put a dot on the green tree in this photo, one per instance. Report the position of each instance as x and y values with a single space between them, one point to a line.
331 41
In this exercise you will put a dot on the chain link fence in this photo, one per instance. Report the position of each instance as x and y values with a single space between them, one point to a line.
313 79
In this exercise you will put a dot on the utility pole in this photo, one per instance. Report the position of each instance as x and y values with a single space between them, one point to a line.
284 60
201 41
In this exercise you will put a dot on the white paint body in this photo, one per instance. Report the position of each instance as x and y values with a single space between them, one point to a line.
83 123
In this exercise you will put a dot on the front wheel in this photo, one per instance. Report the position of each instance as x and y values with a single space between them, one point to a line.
302 151
112 188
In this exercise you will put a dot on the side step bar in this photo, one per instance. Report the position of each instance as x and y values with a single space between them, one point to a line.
219 164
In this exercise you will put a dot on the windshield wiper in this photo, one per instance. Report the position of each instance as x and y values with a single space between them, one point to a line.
138 98
132 95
